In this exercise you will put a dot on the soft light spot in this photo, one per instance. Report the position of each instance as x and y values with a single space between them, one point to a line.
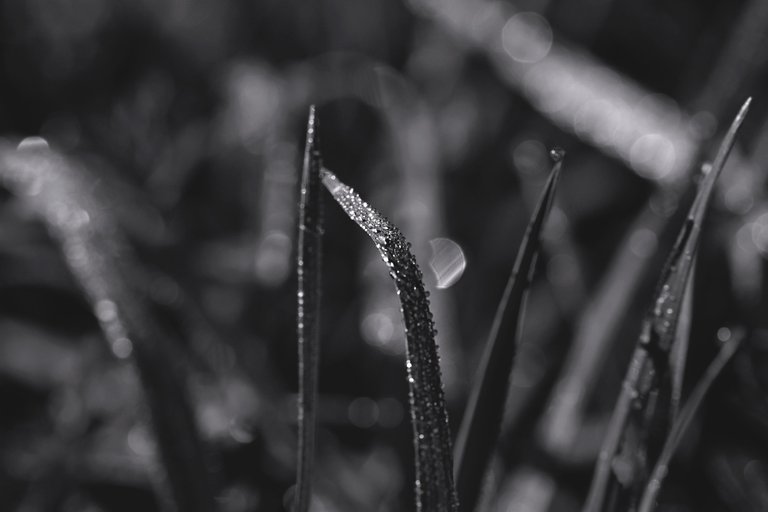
139 442
122 347
739 199
556 224
239 433
363 412
106 310
592 114
527 37
744 237
760 233
703 125
643 243
550 86
378 330
272 261
653 156
530 156
723 334
447 263
390 412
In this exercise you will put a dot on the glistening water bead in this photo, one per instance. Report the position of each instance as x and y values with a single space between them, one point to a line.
556 154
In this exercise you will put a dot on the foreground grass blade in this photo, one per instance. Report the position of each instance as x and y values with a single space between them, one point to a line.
482 419
71 203
308 296
648 501
432 440
647 383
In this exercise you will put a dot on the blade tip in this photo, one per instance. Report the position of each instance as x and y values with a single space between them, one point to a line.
311 125
744 109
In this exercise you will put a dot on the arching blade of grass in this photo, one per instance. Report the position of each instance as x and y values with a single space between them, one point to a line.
647 388
435 491
308 296
71 203
652 488
482 418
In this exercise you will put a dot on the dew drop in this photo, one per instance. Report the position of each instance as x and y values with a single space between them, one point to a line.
448 262
557 154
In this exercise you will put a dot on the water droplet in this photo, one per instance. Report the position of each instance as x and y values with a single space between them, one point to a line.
557 153
448 262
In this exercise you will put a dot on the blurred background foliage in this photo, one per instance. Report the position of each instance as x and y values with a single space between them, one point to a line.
187 116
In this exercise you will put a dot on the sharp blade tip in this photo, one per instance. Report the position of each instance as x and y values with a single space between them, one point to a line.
744 110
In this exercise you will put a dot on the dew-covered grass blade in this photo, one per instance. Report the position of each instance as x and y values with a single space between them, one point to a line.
434 487
71 203
642 411
687 413
308 314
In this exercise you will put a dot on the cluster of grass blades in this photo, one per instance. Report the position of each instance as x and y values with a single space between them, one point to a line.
647 423
434 485
61 192
645 407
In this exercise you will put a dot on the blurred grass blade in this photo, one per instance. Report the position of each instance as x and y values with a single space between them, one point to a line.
435 491
594 332
647 385
652 488
71 203
679 353
482 419
308 297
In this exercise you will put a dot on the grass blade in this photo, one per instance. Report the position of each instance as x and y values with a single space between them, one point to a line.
679 353
308 297
70 202
482 419
652 488
647 378
435 491
594 332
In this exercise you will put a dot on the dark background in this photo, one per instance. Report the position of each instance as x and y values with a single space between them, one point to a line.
190 116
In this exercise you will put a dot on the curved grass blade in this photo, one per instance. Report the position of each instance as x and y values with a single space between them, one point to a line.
70 202
482 418
432 440
647 386
652 488
308 296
